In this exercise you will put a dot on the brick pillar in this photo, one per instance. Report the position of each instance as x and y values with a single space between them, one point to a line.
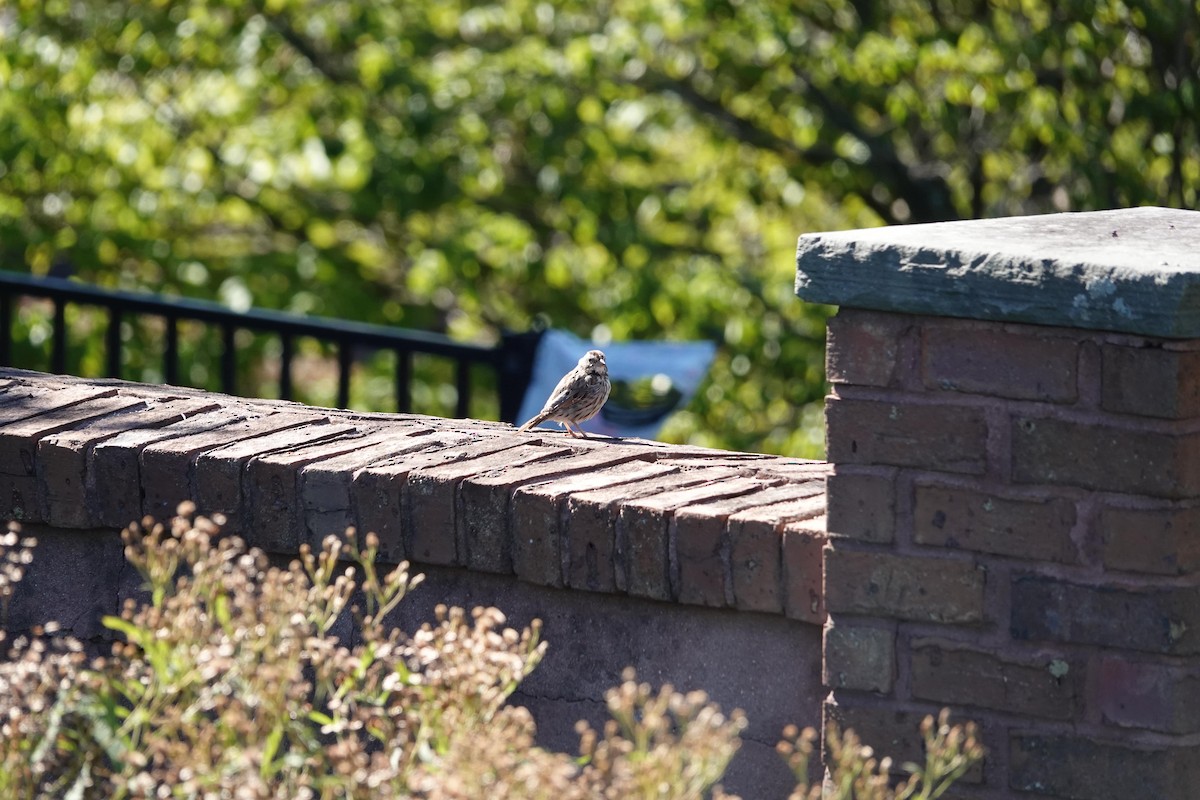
1014 509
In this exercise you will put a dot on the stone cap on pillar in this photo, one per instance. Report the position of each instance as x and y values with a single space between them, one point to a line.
1134 270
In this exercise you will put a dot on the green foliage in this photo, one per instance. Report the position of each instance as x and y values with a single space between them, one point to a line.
624 169
951 751
229 680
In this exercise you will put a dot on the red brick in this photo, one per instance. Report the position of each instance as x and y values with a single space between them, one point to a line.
894 733
859 657
591 534
1034 528
26 402
430 495
1156 620
18 451
1090 455
1150 381
644 526
756 548
890 732
1163 541
1147 694
882 584
539 513
1079 768
276 514
797 472
114 483
901 433
486 500
19 437
862 505
803 562
63 457
955 675
864 347
376 490
702 550
326 485
703 545
1019 363
166 467
218 473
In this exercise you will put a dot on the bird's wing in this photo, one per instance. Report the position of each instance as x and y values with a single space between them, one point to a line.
560 391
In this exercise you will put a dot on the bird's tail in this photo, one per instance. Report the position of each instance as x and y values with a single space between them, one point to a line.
533 423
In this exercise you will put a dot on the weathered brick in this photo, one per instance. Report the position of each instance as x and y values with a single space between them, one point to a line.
803 561
889 731
275 511
114 484
798 472
756 548
883 584
864 347
539 509
861 505
26 402
20 490
166 467
1079 768
432 495
591 532
644 526
903 433
218 473
1091 455
895 732
702 552
1163 541
377 490
427 488
63 457
486 500
1022 363
1150 381
859 657
953 674
1033 528
1163 620
326 485
1147 694
704 542
19 437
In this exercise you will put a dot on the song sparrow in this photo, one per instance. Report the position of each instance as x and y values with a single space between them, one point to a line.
578 396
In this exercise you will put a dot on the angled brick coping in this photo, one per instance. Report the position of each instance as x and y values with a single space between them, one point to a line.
666 522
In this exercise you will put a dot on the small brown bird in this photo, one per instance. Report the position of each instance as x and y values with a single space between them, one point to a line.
578 396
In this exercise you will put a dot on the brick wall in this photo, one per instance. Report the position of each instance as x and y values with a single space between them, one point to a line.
1009 526
1014 528
700 568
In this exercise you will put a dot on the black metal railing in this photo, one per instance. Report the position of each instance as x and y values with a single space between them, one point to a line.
512 358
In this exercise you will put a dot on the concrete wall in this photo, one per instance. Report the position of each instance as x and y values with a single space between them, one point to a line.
699 568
